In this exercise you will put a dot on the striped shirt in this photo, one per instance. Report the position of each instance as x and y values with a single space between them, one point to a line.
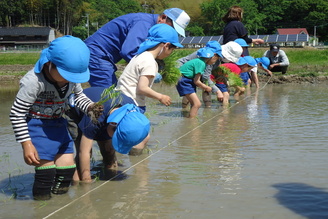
39 98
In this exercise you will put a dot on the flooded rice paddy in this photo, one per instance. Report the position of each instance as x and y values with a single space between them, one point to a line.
263 158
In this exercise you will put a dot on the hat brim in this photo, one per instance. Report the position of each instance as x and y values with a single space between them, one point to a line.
177 45
264 66
241 61
118 142
179 29
77 77
219 53
260 60
42 60
228 56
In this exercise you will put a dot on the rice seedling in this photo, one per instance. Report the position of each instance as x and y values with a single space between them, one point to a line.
107 94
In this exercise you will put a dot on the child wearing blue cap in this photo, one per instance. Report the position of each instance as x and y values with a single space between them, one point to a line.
206 96
191 78
263 63
36 114
229 52
246 63
222 81
119 128
138 76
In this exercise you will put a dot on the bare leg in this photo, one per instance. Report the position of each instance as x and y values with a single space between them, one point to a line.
195 104
185 102
207 99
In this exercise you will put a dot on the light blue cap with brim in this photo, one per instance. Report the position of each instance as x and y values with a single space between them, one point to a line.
205 52
249 60
215 46
160 33
241 42
132 127
71 57
265 61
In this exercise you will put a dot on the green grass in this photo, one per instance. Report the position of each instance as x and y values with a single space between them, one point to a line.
19 58
303 61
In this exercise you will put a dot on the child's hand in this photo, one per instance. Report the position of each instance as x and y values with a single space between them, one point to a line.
208 89
220 96
166 100
31 155
95 110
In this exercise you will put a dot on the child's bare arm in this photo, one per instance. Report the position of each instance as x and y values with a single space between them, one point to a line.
200 84
144 89
84 155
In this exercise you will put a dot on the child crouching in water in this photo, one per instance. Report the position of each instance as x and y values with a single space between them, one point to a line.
191 78
220 76
36 114
223 79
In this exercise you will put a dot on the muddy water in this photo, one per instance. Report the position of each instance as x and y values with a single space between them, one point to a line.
265 157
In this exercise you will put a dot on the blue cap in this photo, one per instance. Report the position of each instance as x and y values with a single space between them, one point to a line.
215 46
132 127
180 19
250 60
205 52
71 57
265 61
247 60
241 42
160 33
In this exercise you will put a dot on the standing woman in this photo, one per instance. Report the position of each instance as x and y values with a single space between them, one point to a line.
235 29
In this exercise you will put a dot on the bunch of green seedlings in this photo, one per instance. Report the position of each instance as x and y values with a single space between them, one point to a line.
229 77
108 94
171 73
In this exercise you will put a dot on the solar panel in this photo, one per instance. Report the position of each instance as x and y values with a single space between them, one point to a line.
272 38
292 38
275 38
282 38
196 39
205 39
303 37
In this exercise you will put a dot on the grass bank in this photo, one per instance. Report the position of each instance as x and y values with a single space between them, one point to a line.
303 61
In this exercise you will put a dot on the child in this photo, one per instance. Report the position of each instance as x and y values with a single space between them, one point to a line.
221 79
244 75
103 131
36 114
229 52
191 74
138 76
263 63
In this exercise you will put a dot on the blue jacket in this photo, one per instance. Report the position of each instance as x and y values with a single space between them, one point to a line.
121 37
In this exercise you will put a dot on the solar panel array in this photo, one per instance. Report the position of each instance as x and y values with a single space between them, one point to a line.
288 38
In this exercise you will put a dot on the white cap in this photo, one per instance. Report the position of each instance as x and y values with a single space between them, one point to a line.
180 19
232 51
